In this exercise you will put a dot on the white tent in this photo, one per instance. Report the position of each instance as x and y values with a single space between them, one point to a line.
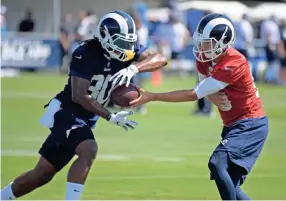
233 9
265 10
161 14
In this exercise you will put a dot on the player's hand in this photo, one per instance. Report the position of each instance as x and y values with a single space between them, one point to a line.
120 119
124 75
220 99
144 97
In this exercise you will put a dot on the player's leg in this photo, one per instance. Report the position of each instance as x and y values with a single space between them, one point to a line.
86 152
218 165
241 146
241 195
43 172
238 175
255 136
84 144
55 154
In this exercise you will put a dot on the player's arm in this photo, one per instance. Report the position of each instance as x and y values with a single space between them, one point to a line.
211 97
150 61
79 95
144 61
204 88
218 98
201 77
81 73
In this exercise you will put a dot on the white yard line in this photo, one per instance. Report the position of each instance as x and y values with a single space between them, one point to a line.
105 157
28 95
169 159
101 157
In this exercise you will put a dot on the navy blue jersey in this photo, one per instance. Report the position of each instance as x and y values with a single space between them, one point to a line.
90 61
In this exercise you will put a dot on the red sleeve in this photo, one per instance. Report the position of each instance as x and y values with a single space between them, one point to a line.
230 72
200 68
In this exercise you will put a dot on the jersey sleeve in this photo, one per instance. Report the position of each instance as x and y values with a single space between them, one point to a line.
208 86
80 66
229 73
139 49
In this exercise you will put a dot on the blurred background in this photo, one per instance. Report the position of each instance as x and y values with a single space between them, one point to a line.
41 35
166 157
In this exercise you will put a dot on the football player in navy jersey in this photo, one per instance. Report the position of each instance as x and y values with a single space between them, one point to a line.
98 65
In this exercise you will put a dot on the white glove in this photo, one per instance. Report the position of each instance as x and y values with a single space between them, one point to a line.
120 119
124 75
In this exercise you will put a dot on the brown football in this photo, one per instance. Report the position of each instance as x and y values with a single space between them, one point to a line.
123 95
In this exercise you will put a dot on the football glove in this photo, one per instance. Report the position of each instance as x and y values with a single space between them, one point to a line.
120 119
124 75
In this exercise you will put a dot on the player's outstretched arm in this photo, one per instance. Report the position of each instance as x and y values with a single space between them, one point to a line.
79 95
150 61
204 88
173 96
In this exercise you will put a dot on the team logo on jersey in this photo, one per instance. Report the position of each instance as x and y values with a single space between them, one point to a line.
107 67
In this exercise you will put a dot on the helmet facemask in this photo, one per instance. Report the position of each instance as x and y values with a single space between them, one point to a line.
119 46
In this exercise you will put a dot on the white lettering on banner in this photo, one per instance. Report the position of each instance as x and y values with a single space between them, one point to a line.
26 52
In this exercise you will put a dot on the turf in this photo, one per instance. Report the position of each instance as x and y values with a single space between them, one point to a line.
164 158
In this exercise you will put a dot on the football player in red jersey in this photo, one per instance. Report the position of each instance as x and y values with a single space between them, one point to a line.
227 81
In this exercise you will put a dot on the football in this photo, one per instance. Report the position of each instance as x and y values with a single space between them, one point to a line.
123 95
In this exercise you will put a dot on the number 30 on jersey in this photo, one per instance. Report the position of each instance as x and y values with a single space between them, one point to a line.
100 88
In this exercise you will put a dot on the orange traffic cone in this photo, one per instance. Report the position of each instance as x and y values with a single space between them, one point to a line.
156 78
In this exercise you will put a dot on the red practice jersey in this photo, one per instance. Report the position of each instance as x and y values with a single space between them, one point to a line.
234 69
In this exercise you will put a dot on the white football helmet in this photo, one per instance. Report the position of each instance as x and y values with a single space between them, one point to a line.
116 32
214 34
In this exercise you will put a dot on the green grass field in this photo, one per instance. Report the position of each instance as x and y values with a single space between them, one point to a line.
164 158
